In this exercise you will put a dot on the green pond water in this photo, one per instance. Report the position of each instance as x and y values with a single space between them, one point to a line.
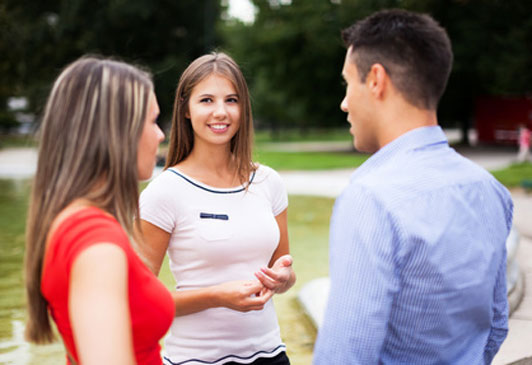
308 219
13 348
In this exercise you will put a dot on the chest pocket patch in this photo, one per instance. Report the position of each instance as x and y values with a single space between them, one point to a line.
214 226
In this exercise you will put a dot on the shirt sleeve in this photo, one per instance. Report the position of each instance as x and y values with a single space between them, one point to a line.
499 325
156 205
363 281
88 232
278 194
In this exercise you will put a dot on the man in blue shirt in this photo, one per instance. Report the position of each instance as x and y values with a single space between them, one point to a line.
417 241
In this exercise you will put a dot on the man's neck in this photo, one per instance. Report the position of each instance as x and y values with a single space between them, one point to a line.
402 119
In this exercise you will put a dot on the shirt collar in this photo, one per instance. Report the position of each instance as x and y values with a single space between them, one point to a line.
416 139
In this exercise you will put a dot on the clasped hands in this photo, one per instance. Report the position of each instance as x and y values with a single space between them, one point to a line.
247 295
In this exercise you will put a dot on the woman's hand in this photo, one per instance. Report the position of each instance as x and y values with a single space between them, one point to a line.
243 296
280 277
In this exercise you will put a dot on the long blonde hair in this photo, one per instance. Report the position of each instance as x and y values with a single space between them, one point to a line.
88 149
182 136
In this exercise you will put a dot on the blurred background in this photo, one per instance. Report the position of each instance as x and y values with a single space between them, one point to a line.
291 54
290 51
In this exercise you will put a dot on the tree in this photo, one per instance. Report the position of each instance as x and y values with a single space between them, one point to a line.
492 44
293 55
40 37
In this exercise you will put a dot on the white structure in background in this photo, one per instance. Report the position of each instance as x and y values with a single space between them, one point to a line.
246 11
19 105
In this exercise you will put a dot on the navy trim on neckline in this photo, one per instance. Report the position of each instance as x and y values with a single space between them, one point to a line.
211 190
226 357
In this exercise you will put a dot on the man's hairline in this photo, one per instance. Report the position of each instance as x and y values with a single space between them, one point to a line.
351 56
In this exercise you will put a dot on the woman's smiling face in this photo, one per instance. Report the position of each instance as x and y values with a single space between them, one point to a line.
214 110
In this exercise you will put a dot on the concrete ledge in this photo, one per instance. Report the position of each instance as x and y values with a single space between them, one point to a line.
515 297
527 361
516 348
313 299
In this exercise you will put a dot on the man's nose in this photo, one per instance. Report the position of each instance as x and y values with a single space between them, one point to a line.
343 104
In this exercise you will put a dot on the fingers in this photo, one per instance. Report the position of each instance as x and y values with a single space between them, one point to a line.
266 294
276 275
273 279
267 281
261 298
255 302
251 287
245 296
286 260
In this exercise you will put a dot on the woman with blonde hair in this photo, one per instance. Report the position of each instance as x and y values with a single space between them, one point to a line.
98 138
222 220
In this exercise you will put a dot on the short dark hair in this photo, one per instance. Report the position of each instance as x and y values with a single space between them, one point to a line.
413 48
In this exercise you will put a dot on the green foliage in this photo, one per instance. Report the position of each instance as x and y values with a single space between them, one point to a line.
7 122
292 55
39 38
491 43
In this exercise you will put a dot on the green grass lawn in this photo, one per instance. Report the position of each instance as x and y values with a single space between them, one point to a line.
280 160
516 175
265 151
296 135
288 160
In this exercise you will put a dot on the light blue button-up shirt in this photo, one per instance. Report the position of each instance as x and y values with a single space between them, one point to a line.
417 259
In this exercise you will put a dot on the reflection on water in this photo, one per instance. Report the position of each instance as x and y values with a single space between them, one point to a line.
16 351
13 349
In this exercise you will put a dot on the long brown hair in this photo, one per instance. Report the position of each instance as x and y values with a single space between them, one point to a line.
88 149
182 135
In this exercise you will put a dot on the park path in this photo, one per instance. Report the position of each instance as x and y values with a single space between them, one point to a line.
17 163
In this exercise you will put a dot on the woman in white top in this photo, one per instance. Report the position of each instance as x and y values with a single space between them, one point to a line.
222 219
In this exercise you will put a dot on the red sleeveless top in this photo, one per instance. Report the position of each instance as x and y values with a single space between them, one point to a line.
150 303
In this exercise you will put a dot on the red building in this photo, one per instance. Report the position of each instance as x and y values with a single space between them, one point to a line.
497 119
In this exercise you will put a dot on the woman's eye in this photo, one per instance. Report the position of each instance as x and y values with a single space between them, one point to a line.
205 100
232 100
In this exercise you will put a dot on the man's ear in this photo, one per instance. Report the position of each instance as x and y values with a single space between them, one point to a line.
377 80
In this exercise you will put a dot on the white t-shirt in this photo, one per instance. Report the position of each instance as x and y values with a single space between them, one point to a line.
218 235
